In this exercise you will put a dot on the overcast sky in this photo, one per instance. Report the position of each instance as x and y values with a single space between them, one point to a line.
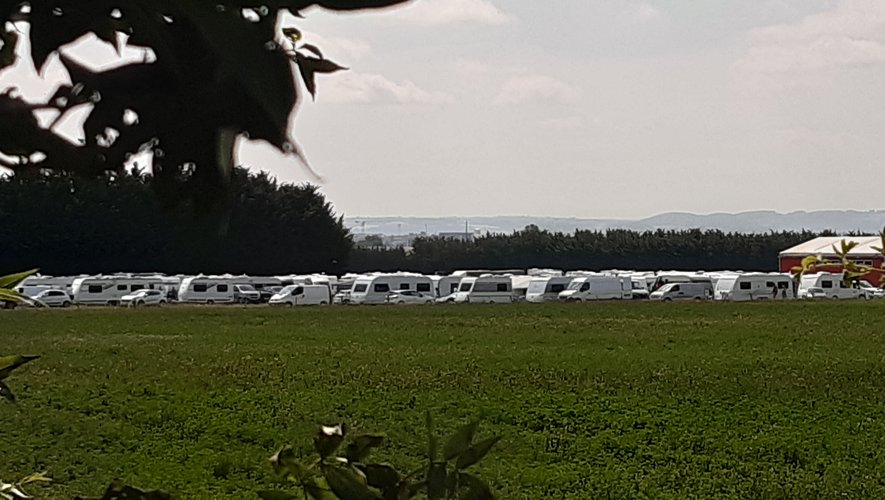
592 108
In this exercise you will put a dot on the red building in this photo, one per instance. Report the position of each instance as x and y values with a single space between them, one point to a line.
862 254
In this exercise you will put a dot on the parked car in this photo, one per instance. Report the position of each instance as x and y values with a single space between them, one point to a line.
269 291
54 298
409 297
815 293
870 291
144 297
683 291
246 294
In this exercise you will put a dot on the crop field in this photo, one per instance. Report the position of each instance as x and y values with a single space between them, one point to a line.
781 400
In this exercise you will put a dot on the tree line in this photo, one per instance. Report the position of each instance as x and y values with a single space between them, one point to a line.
66 224
688 250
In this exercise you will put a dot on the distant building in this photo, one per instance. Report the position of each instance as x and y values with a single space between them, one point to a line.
462 236
862 254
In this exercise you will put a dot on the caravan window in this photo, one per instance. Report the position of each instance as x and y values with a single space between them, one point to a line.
221 288
122 288
360 288
783 285
745 285
826 284
423 287
404 286
199 287
502 287
770 284
557 288
137 287
381 287
94 289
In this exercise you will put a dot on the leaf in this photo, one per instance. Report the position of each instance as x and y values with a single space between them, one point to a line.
309 66
6 392
9 363
276 495
382 476
476 453
285 462
312 49
460 441
362 445
7 52
16 297
13 280
348 483
477 489
437 477
328 439
293 34
37 477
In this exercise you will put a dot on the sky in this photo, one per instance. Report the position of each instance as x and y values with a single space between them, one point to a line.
584 108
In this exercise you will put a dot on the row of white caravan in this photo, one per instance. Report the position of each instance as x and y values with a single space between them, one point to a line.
478 286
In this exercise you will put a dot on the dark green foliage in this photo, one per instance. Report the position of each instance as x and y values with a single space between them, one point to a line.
120 491
690 250
7 365
72 225
221 71
351 477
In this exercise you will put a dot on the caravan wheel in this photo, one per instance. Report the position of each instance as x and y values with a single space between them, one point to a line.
210 302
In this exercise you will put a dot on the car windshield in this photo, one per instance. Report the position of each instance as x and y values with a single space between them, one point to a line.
575 285
667 287
287 289
465 287
246 288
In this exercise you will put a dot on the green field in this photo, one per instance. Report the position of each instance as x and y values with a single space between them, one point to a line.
593 401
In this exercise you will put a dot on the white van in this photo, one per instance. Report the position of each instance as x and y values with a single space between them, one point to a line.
303 295
373 289
598 288
665 277
683 291
830 283
547 289
754 286
208 289
485 289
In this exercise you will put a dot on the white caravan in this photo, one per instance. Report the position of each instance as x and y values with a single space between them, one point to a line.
485 289
753 286
831 285
445 285
302 295
598 287
50 282
202 289
547 289
373 289
108 290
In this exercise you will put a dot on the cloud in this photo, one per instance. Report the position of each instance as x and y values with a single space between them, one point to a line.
366 88
563 123
440 12
641 14
852 34
535 89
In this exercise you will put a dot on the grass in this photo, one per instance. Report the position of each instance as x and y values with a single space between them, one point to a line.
593 401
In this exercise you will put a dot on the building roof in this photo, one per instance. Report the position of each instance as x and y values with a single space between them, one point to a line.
824 245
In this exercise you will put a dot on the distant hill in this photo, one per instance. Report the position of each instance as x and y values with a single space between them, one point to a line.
840 221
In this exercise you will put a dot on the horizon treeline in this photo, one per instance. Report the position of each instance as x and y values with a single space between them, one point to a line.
67 225
682 250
